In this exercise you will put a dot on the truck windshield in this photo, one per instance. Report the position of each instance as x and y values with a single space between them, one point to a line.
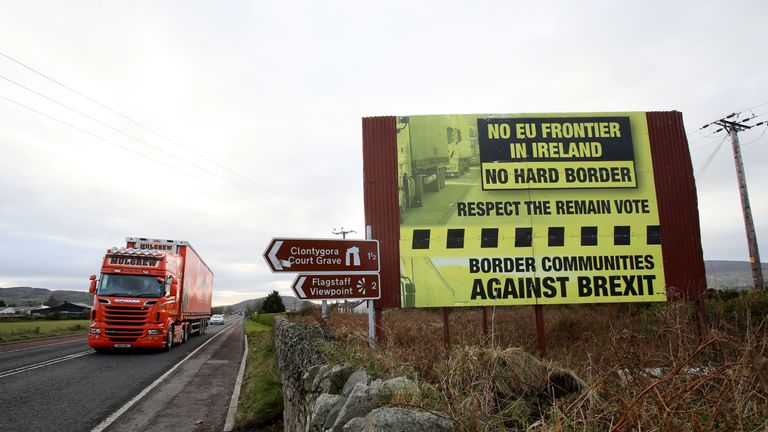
130 286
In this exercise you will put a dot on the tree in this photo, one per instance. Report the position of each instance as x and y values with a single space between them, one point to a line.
273 303
2 303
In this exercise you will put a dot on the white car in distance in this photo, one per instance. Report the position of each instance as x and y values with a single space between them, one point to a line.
216 319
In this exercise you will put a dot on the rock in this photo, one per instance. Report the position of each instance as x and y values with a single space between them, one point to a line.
400 384
334 414
323 406
357 424
393 419
358 376
333 380
309 376
321 371
361 401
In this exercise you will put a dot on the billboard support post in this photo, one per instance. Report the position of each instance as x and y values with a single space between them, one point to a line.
703 321
540 335
446 331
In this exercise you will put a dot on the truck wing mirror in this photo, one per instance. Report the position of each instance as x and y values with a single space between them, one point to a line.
92 288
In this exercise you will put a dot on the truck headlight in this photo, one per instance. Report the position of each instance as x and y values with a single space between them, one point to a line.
94 330
154 331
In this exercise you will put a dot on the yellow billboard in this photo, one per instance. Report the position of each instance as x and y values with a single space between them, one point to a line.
527 209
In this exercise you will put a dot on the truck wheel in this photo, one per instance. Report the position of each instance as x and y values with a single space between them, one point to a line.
169 340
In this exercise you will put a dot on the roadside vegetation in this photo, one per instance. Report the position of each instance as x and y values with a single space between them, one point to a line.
261 398
21 330
644 366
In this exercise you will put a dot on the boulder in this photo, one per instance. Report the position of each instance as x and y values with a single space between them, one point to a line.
357 377
362 400
333 380
401 385
393 419
308 379
323 405
318 376
357 424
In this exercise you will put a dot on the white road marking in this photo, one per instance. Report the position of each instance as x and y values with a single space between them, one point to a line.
115 415
43 346
10 372
233 401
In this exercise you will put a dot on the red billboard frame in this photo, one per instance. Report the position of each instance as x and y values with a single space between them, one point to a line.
675 190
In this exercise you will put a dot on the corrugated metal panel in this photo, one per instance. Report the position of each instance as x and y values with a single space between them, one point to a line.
678 204
382 211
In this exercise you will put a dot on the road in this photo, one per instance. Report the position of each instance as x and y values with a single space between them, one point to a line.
65 386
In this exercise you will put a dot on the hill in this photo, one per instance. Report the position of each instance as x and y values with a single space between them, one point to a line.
720 275
27 296
730 274
290 302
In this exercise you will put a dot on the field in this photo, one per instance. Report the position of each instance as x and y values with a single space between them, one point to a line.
34 329
642 367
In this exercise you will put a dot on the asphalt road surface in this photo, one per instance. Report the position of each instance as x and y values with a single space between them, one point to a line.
64 385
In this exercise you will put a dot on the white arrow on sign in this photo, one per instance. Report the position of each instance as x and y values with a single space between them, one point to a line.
299 290
272 255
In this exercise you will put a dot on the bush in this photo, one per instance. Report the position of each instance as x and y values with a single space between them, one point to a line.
645 367
273 303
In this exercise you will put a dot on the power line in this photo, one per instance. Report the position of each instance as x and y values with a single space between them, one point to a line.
709 160
150 145
145 127
128 149
758 138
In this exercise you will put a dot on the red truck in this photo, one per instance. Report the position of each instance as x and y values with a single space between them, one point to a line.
152 293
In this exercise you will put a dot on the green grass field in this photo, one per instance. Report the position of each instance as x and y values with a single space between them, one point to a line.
35 329
253 326
261 398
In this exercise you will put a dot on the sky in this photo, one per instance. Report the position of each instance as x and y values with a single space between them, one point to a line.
229 123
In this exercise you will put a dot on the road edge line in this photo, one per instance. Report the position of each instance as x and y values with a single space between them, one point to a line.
235 399
120 411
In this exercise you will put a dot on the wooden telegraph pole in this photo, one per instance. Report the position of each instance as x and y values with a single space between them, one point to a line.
733 128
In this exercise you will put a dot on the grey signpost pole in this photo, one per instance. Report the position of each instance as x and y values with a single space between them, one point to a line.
371 312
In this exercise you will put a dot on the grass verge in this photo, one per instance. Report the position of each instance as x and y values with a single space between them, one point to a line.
261 398
34 329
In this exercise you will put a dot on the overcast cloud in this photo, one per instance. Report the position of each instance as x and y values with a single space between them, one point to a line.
266 99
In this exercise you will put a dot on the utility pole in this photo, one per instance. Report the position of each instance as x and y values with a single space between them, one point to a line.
343 233
733 128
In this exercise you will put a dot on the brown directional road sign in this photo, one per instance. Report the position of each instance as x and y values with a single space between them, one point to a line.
322 255
349 286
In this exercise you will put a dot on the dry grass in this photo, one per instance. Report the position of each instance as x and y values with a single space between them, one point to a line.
644 367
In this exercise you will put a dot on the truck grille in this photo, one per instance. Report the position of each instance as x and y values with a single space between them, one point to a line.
122 322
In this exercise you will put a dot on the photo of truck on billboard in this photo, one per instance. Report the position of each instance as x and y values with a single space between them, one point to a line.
556 209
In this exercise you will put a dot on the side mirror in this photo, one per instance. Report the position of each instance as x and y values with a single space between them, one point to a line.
92 288
174 287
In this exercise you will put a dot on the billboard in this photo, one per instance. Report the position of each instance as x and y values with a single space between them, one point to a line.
527 209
